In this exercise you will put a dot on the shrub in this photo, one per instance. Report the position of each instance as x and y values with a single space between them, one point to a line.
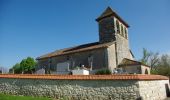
103 72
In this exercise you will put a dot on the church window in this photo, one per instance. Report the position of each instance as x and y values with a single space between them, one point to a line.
125 33
117 26
122 30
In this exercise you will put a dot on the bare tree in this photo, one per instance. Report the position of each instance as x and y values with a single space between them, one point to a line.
150 58
153 59
145 56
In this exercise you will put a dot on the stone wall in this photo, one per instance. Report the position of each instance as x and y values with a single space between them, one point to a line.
145 69
90 87
99 60
131 69
122 42
153 90
73 89
111 57
123 50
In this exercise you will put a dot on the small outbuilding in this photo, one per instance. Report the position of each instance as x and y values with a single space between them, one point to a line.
134 67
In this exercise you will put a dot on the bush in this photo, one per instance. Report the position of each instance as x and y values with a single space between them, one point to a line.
103 72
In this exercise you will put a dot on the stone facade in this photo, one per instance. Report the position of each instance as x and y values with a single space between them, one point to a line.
112 29
98 57
133 69
86 89
137 69
111 57
132 66
123 50
107 30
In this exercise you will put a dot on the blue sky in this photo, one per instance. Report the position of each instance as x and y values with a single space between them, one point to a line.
36 27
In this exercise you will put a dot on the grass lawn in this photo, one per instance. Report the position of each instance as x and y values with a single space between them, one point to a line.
11 97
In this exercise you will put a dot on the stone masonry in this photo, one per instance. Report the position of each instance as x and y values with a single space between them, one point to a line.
108 87
72 89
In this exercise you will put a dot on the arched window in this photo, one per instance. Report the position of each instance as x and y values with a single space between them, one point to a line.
117 26
122 32
146 71
125 32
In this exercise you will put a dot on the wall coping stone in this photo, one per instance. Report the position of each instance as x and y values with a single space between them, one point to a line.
85 77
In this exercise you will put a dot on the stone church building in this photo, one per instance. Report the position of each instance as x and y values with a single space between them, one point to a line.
110 52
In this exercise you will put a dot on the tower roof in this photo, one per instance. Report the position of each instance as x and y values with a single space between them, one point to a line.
109 12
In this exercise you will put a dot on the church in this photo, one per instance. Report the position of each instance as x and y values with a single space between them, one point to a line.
110 52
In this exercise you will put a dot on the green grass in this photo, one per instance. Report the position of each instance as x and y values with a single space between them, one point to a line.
11 97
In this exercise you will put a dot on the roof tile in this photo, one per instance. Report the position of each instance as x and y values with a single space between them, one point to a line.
86 77
80 48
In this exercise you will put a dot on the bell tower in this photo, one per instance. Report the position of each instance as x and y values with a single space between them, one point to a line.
111 24
112 28
106 26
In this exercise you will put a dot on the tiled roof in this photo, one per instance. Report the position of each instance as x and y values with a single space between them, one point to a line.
129 62
80 48
85 77
109 12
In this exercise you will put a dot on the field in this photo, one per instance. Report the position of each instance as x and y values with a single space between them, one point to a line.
10 97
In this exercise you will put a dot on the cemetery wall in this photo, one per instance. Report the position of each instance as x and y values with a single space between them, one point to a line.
86 87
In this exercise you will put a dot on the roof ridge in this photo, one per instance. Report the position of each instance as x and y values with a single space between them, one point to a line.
74 49
137 62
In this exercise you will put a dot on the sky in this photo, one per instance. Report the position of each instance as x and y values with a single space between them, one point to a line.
36 27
